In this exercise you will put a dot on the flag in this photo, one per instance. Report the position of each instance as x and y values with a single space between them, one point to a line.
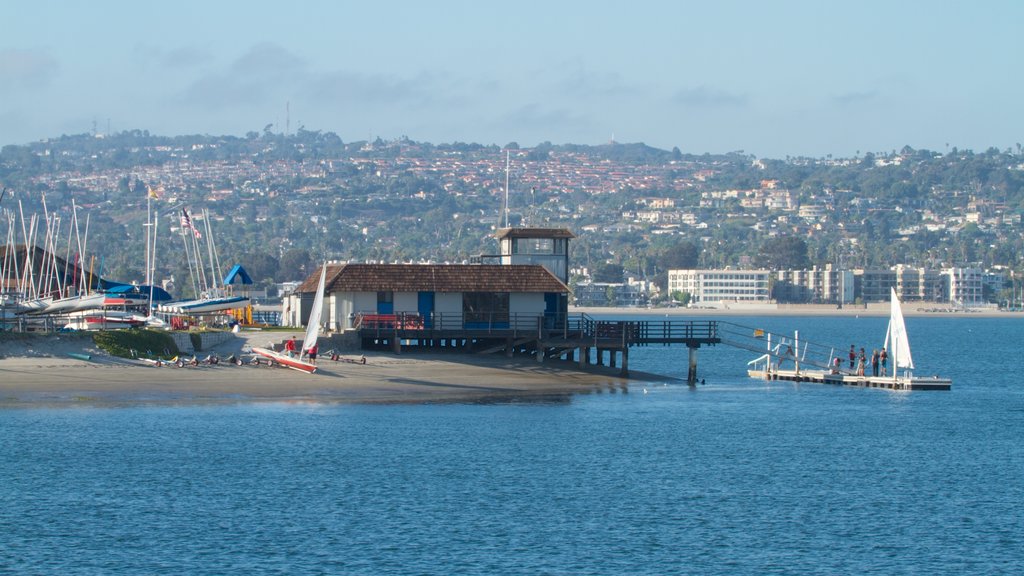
154 193
186 223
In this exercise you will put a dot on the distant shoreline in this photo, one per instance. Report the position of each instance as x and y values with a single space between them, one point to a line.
916 309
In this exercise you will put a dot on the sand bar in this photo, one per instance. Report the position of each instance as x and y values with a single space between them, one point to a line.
42 372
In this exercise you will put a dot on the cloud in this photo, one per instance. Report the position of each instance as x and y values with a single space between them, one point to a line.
26 69
183 57
854 98
704 97
582 82
535 115
263 75
372 89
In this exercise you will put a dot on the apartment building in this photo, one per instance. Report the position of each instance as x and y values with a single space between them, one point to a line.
706 286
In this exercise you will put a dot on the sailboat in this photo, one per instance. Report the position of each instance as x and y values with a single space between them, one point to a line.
312 334
896 341
897 345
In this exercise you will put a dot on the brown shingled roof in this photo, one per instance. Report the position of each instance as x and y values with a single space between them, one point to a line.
435 278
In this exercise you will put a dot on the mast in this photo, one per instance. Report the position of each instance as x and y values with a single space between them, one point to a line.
508 160
313 326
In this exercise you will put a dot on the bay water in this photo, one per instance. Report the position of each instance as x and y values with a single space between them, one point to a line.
735 476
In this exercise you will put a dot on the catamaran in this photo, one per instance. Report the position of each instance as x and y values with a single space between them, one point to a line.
312 334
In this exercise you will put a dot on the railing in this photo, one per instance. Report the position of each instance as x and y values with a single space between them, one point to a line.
473 321
626 333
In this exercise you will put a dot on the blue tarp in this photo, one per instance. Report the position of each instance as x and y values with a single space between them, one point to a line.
237 273
159 294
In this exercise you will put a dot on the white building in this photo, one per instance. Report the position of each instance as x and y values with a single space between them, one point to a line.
707 286
965 286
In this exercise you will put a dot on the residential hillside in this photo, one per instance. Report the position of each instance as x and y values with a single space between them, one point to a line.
278 203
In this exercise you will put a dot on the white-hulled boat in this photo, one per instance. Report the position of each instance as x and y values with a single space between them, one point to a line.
312 334
103 320
205 305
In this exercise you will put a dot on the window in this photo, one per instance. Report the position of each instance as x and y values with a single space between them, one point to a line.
485 309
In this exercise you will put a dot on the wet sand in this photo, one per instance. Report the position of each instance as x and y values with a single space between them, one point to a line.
42 372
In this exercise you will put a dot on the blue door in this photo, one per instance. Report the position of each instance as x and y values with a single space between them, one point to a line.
385 302
425 306
551 309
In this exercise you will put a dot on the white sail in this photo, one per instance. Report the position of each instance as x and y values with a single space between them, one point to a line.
313 327
896 337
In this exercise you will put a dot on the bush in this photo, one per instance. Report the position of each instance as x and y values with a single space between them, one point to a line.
132 343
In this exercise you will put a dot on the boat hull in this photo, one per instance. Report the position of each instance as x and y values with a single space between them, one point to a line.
285 360
205 306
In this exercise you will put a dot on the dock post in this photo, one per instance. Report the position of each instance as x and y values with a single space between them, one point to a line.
691 375
624 371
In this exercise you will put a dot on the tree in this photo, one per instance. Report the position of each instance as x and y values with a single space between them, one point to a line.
608 272
783 253
684 255
295 264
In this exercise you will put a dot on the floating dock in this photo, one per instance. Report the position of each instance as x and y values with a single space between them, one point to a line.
912 383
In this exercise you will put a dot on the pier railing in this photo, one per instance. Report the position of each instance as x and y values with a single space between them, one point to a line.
624 332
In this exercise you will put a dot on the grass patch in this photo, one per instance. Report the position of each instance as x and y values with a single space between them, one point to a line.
137 343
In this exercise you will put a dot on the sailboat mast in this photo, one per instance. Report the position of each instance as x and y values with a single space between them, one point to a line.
152 272
508 160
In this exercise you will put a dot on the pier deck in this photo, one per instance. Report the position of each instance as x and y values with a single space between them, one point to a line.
886 382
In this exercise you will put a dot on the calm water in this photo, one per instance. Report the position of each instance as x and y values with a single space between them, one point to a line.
737 476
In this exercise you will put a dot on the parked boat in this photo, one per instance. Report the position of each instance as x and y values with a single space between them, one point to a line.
311 336
103 320
205 305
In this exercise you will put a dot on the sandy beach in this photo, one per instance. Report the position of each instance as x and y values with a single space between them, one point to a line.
40 371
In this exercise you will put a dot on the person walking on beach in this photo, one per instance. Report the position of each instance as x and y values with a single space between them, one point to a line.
874 362
861 360
853 356
882 357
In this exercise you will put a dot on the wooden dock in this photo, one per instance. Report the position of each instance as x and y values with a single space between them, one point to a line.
912 383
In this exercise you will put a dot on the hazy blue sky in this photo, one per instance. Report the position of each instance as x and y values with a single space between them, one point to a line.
772 78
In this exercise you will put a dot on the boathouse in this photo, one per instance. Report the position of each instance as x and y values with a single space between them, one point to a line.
438 296
526 281
514 302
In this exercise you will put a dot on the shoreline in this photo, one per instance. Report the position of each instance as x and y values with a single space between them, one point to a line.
40 371
915 309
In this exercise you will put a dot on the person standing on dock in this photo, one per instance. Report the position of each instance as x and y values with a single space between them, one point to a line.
882 357
874 362
861 361
853 357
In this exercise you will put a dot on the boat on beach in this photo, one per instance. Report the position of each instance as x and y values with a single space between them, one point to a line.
103 320
311 336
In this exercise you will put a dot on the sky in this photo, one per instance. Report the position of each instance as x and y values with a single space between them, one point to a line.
773 79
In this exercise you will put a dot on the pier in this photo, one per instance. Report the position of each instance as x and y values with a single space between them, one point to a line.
886 382
590 341
575 337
